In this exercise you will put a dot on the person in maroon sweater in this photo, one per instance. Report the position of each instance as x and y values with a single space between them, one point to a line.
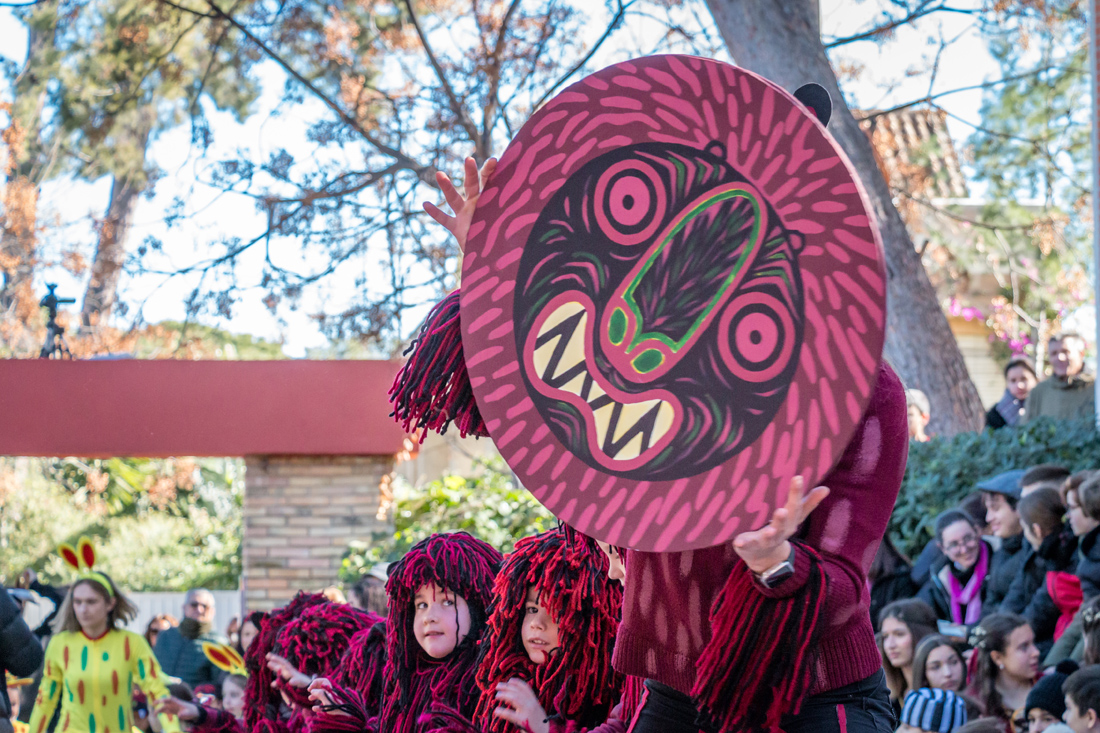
666 625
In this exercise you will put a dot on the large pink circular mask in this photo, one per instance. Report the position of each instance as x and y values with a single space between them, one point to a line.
673 302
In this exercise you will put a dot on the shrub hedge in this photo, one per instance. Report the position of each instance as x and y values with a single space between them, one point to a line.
943 471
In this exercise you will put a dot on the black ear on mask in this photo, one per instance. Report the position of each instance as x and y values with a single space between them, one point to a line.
816 98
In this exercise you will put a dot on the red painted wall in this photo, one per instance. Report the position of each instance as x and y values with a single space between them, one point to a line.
196 408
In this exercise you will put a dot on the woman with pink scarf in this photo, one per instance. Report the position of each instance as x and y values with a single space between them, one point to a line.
957 586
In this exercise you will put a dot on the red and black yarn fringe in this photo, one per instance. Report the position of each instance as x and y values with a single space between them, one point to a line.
263 707
577 684
218 721
356 685
463 565
756 667
433 389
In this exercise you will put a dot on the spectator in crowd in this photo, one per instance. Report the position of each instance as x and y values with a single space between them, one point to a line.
160 622
902 624
1004 665
1000 495
957 585
1046 704
890 577
369 592
1081 494
937 664
920 414
937 711
250 629
16 687
179 649
20 652
334 594
1050 548
1069 393
1082 691
29 580
1020 379
1045 475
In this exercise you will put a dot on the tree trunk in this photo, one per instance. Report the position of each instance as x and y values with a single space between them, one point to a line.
110 255
18 251
779 40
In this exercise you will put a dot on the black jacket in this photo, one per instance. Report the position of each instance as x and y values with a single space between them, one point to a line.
1088 564
890 588
1041 613
1058 552
20 651
935 594
1004 566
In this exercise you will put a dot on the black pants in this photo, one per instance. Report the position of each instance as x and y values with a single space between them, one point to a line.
863 707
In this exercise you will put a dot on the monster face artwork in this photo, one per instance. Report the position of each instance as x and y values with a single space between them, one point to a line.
673 302
656 283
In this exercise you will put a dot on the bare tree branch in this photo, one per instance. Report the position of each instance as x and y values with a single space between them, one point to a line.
456 105
983 85
422 171
618 17
925 8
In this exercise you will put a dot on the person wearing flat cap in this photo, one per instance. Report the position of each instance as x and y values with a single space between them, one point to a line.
1000 495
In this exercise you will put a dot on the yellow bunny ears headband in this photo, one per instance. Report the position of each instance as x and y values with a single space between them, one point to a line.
82 560
225 658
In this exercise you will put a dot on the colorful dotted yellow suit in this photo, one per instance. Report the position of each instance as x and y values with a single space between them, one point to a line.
93 680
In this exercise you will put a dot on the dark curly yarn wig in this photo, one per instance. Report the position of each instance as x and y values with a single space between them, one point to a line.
262 704
577 684
466 566
356 686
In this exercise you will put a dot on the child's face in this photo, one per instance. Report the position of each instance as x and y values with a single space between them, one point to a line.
441 620
232 698
1039 720
540 631
944 669
13 698
616 569
1080 722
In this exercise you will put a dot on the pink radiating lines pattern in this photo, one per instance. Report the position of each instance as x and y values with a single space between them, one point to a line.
777 144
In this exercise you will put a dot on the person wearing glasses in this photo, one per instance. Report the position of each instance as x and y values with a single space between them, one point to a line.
179 649
957 586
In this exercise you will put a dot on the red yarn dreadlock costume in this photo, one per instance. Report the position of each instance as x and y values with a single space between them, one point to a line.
465 566
311 633
357 685
577 684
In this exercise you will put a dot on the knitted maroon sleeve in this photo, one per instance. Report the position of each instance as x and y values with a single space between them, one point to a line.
848 526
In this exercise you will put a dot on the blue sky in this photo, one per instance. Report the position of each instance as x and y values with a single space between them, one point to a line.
885 81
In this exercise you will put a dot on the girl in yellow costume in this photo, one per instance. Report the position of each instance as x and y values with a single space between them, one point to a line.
91 664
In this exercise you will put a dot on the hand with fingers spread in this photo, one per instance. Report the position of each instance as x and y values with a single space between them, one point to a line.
768 546
524 710
462 206
287 671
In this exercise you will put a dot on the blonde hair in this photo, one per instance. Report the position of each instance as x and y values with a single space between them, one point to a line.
123 612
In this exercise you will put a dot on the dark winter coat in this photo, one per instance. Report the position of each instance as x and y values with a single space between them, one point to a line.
20 651
184 658
1004 567
1041 612
935 594
1058 552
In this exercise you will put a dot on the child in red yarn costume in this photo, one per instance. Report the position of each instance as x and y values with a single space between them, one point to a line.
439 593
546 662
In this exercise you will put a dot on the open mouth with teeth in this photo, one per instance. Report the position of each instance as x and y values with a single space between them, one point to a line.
624 430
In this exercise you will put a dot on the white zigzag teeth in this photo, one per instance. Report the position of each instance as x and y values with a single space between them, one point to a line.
624 430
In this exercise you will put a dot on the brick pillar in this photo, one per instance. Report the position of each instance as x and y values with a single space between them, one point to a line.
300 513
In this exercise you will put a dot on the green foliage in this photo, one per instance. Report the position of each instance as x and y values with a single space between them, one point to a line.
490 506
943 471
158 524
